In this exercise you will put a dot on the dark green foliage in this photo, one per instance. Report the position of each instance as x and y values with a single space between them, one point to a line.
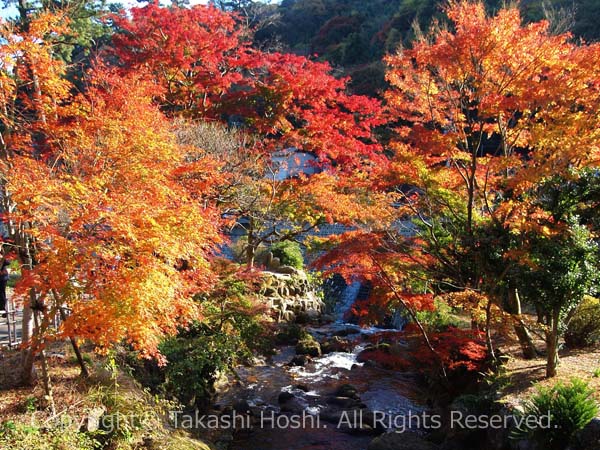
195 357
308 346
354 33
583 329
570 407
563 271
232 330
89 32
289 253
290 334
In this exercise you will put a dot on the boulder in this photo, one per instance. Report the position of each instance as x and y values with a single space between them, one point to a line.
347 390
293 406
299 360
288 316
336 344
346 331
284 396
92 421
289 270
290 334
289 295
381 356
308 346
588 438
284 291
331 415
343 402
241 406
362 422
269 291
327 318
401 441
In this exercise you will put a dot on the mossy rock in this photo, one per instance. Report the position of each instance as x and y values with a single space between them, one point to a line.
347 390
290 334
180 442
401 441
308 346
336 344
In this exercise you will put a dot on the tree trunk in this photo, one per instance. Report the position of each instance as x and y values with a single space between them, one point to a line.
251 247
84 371
525 340
552 345
28 369
488 329
45 373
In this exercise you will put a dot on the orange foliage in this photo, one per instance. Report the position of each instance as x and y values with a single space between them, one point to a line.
491 105
103 201
372 257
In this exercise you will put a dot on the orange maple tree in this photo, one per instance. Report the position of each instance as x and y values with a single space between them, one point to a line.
278 101
98 201
484 110
489 108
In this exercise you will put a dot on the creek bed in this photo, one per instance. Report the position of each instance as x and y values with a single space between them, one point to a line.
308 390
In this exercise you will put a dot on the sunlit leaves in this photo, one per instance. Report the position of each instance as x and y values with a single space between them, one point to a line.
119 238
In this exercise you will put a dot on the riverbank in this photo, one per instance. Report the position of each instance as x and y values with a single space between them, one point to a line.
108 410
347 402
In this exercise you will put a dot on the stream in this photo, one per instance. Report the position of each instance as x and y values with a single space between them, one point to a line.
328 396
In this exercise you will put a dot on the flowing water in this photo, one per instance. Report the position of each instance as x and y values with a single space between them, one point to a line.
309 388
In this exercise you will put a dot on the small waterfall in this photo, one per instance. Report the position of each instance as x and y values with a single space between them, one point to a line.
399 319
347 299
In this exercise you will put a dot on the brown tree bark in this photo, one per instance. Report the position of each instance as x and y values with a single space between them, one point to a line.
552 344
525 340
45 374
28 374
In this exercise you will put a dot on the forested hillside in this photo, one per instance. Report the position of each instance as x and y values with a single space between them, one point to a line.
355 34
210 240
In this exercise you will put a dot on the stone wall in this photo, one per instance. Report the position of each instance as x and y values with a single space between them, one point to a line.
289 294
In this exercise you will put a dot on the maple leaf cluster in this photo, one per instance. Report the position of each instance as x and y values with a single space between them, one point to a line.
116 220
487 112
115 200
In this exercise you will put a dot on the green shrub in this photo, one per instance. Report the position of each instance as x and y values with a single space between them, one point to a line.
584 327
568 407
289 253
290 334
308 346
19 436
195 357
440 319
232 330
